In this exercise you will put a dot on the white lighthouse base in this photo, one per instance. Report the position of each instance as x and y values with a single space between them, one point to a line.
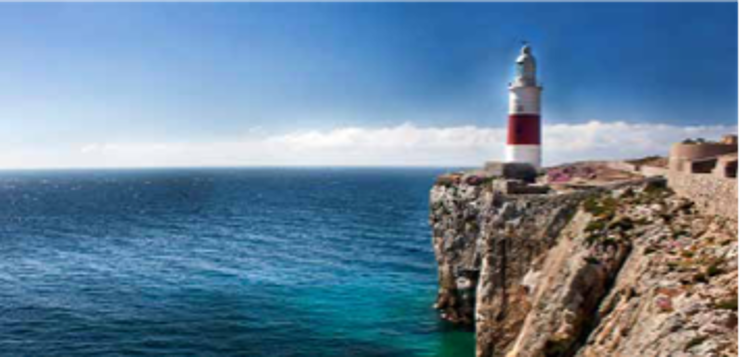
523 154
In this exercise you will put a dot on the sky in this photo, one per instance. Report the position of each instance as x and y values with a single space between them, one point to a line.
354 84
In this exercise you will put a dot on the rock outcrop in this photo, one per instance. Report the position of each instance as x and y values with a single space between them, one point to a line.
620 269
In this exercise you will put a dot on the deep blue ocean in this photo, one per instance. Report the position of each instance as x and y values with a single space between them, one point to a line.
220 262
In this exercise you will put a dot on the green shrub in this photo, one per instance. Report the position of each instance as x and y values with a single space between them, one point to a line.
472 225
700 278
714 270
729 304
656 189
593 238
445 181
624 224
726 242
557 348
603 207
608 241
695 342
679 233
596 225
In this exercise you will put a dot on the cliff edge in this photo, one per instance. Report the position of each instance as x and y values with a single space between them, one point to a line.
617 269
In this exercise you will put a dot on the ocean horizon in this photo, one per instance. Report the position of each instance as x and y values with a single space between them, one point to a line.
290 261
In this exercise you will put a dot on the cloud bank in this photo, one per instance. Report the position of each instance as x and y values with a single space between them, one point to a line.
402 145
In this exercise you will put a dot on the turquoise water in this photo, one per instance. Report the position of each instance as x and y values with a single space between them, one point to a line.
224 262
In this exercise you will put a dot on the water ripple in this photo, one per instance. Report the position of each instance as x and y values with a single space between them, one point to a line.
224 262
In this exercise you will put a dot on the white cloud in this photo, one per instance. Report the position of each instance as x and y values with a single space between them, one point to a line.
405 144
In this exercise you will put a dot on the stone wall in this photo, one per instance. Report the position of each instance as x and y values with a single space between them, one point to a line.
645 170
649 171
712 194
623 166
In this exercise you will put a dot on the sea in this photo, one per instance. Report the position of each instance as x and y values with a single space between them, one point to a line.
220 262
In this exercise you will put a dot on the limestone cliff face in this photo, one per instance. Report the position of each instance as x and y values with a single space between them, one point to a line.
455 224
624 270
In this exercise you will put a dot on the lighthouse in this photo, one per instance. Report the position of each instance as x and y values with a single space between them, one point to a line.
523 129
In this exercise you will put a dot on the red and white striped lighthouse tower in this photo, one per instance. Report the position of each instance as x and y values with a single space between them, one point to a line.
523 130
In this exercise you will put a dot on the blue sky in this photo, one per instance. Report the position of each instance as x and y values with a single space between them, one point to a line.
235 84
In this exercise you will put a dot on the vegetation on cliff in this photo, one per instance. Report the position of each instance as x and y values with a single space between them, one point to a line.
625 269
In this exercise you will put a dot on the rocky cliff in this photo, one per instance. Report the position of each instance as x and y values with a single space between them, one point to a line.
619 269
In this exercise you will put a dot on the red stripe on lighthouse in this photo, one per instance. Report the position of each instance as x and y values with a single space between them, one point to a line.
523 129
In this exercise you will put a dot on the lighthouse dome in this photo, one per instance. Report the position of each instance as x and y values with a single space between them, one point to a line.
525 67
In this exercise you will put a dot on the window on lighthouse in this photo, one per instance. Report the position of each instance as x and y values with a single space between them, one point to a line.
520 69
